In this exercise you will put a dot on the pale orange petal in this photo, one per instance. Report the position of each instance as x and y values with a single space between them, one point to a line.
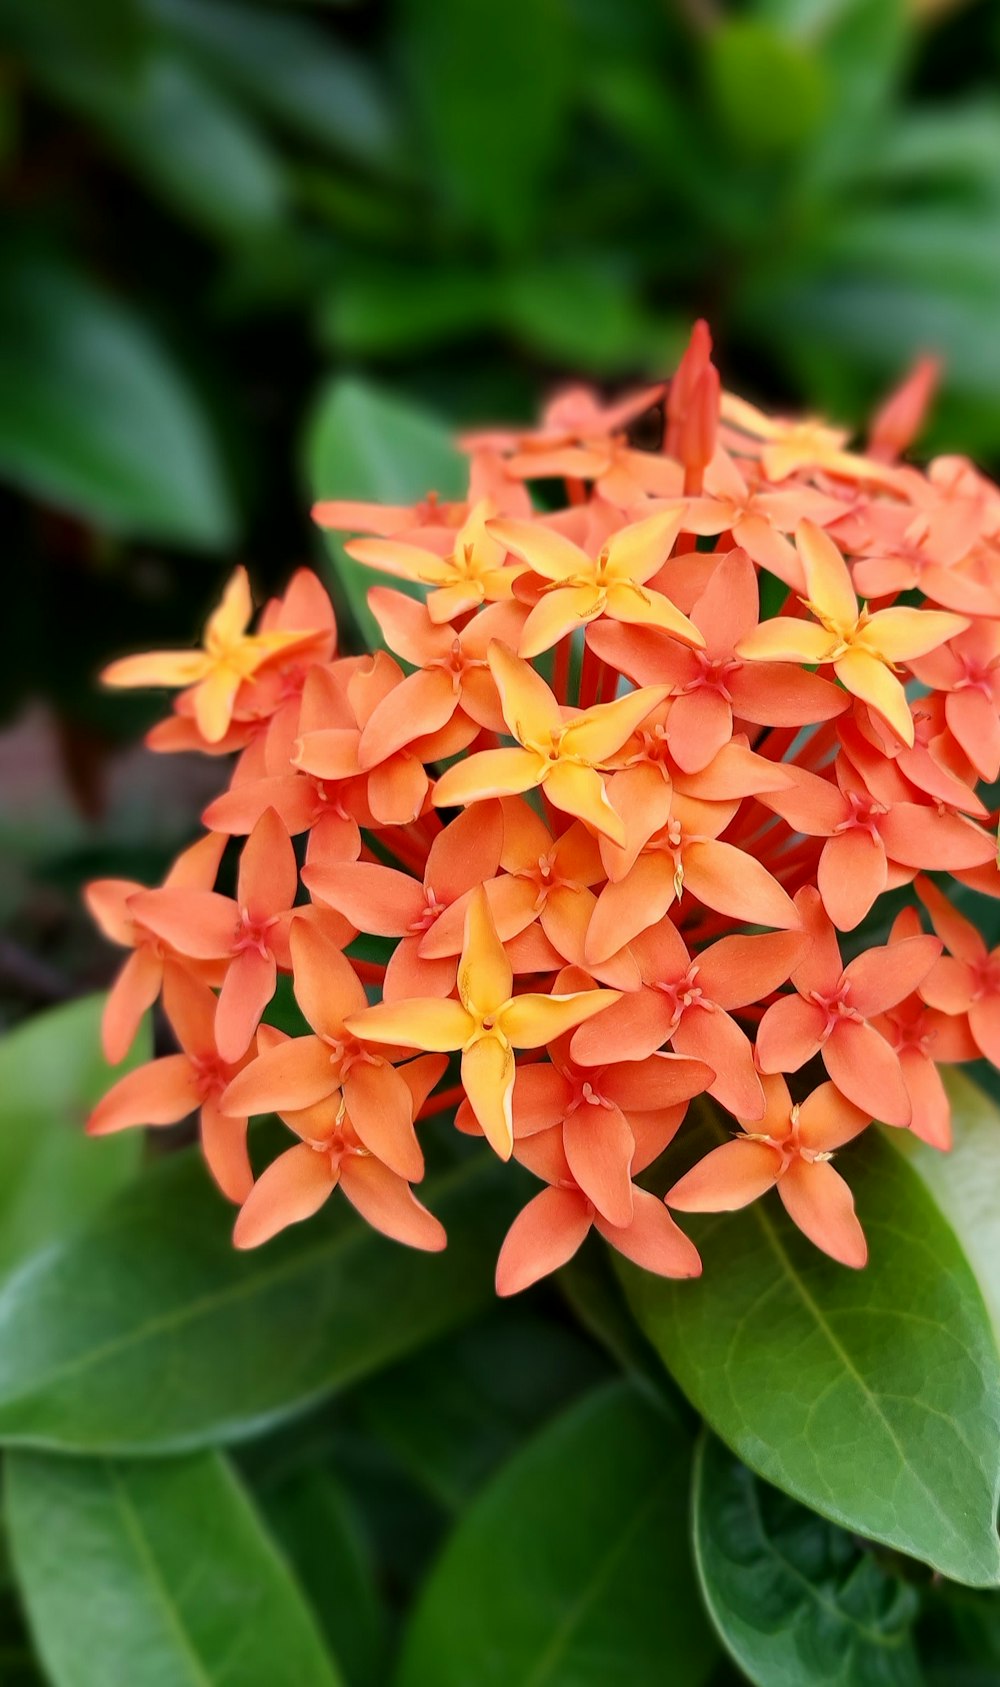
293 1187
544 1235
488 1077
818 1200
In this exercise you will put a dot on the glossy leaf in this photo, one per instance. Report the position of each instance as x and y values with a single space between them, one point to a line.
962 1182
769 90
366 444
794 1598
291 69
53 1178
312 1520
193 146
472 1398
104 35
572 1569
96 419
467 65
871 1396
151 1333
156 1572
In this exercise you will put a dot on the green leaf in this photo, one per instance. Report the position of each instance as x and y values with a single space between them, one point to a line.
104 35
291 69
53 1178
794 1598
368 444
151 1333
157 1572
471 67
312 1520
188 141
769 92
583 313
572 1569
382 310
871 1396
472 1398
94 416
959 1637
962 1182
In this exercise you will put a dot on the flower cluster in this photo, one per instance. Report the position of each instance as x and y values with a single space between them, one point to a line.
613 801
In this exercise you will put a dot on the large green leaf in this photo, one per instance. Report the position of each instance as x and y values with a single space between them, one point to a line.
871 1396
151 1333
472 1398
572 1569
367 444
794 1598
292 69
191 144
964 1181
101 36
312 1520
95 418
471 67
156 1573
53 1178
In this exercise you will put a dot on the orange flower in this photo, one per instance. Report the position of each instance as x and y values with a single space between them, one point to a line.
552 1227
791 1147
831 1011
473 571
559 752
141 978
331 1154
230 656
863 647
640 775
291 1076
689 1003
388 903
711 685
581 587
486 1023
251 933
166 1090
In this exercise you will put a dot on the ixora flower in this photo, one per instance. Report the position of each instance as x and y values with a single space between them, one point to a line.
609 806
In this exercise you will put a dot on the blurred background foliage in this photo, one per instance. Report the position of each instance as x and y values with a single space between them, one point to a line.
216 210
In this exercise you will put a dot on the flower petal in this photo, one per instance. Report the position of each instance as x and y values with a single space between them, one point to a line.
544 1235
728 1178
388 1204
488 1077
293 1187
653 1240
818 1200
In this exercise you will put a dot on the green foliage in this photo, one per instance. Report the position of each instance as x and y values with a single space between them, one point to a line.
112 1341
898 1359
157 1572
96 418
313 1521
233 224
368 445
793 1597
571 1568
53 1179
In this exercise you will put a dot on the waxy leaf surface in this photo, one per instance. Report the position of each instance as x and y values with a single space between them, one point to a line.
794 1598
53 1178
151 1333
160 1573
871 1396
572 1569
